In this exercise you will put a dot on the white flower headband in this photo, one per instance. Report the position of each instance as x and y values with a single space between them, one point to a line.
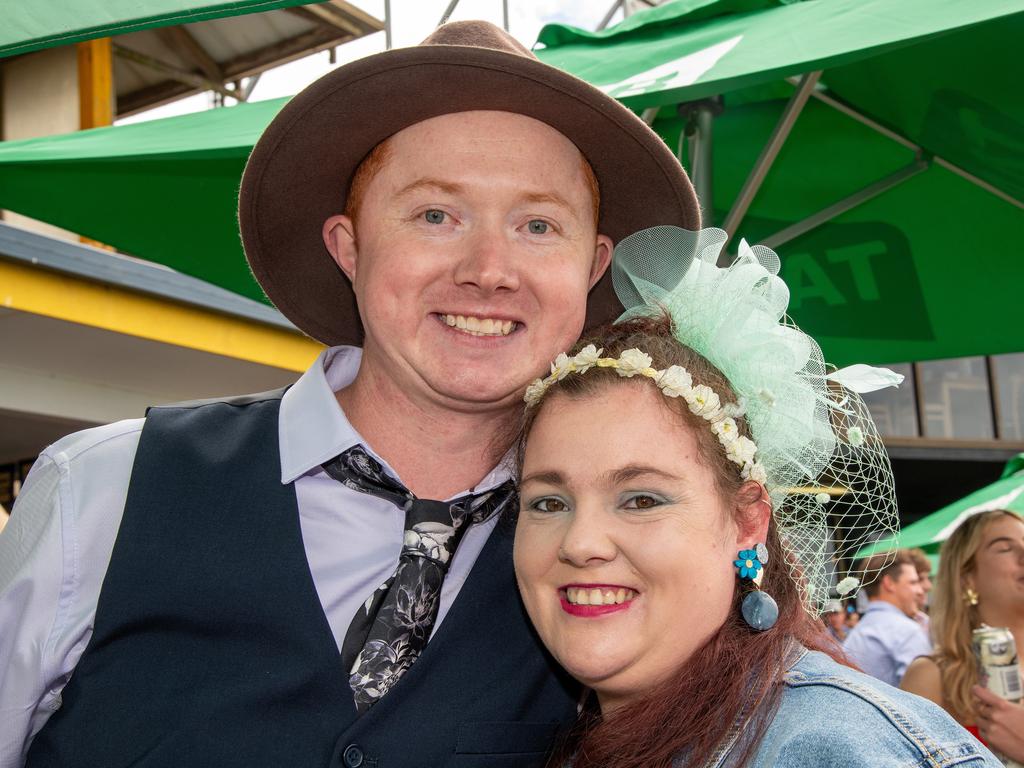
674 381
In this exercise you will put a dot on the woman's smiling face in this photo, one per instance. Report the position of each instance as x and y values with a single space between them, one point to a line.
624 547
998 572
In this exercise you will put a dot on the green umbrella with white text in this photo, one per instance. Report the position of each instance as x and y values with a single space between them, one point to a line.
929 533
892 139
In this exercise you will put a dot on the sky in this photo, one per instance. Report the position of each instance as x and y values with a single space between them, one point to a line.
412 20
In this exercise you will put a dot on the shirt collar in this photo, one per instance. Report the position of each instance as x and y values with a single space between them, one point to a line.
312 427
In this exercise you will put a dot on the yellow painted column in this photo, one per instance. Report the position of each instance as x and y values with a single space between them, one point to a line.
95 83
96 99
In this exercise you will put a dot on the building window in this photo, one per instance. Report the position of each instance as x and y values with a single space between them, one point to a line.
956 399
893 408
1008 375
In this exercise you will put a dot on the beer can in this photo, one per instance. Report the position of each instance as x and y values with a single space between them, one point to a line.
998 668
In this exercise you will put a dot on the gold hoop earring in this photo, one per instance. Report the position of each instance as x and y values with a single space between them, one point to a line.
970 596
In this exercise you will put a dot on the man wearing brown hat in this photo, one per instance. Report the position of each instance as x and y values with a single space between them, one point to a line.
247 581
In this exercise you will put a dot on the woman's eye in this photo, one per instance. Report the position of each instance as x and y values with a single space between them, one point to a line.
538 227
549 505
643 501
434 216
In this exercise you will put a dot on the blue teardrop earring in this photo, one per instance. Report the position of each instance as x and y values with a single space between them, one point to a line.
759 609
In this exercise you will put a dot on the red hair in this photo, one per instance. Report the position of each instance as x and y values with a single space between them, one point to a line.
737 674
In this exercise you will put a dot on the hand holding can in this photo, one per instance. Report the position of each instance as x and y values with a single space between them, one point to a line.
999 692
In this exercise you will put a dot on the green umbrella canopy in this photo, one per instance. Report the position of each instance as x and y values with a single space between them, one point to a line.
927 270
694 48
166 190
30 25
931 122
929 532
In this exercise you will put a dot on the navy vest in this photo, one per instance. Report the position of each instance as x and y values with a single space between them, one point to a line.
211 648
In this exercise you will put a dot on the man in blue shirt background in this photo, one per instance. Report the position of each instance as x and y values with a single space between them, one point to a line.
887 638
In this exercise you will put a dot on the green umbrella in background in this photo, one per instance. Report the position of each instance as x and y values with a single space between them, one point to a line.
877 144
915 128
929 532
165 190
31 26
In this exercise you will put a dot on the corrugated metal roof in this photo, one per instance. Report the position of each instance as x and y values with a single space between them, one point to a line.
159 65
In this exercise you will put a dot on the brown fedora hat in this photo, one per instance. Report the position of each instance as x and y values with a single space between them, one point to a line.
300 170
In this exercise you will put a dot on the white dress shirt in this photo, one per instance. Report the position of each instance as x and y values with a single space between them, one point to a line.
56 548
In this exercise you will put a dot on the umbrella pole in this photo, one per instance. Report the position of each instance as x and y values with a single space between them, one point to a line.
697 133
702 164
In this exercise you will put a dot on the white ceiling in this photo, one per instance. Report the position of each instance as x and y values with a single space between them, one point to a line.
56 377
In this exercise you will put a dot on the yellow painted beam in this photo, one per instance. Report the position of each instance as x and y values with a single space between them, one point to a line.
95 83
77 300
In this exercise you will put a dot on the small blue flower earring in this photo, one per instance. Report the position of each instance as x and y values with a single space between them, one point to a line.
759 609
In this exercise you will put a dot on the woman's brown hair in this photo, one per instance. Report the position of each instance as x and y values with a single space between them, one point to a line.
953 618
737 674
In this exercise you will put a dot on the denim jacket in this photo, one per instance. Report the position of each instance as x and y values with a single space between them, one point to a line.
831 715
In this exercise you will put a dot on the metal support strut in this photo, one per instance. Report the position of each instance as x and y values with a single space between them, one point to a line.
769 153
794 231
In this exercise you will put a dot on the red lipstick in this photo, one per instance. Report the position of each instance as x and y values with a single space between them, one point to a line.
591 611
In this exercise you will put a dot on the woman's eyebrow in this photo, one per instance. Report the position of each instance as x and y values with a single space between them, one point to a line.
1000 540
548 477
633 471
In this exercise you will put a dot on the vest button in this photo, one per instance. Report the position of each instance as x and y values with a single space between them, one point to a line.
353 756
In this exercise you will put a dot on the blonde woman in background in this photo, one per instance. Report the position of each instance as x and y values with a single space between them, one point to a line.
980 582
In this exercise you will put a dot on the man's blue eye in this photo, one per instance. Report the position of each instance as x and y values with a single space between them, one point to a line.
434 216
538 227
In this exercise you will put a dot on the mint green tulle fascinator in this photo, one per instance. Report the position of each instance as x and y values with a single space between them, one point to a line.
824 466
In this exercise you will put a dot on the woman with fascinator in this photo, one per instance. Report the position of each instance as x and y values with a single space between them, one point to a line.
676 517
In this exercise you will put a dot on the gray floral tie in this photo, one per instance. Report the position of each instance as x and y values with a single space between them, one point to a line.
392 627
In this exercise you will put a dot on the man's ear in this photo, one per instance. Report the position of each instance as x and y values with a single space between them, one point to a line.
340 238
602 258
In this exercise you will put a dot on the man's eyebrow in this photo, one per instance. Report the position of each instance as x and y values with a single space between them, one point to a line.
452 188
434 184
548 197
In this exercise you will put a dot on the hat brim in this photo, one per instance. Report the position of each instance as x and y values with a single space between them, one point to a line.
300 170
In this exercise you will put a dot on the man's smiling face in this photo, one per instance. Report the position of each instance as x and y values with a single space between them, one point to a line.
472 255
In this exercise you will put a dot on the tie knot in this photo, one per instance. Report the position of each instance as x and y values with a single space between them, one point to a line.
432 541
419 511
